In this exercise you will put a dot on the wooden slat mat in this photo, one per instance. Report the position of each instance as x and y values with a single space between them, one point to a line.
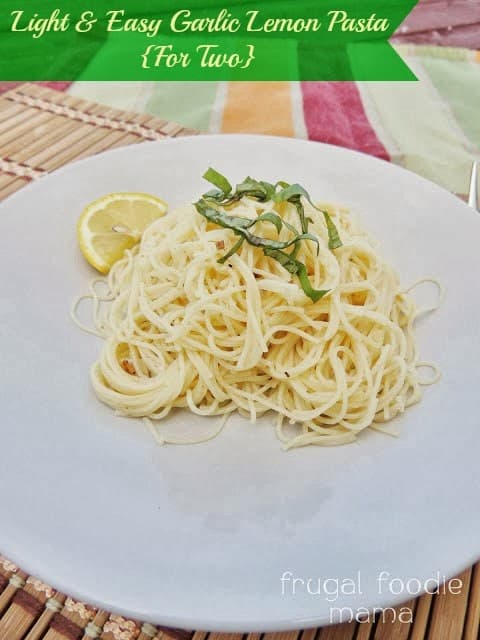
41 130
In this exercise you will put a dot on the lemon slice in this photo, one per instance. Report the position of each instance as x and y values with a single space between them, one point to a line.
113 223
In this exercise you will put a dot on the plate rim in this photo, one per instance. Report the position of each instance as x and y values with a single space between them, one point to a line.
239 625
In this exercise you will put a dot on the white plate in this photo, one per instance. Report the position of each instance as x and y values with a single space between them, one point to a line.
200 536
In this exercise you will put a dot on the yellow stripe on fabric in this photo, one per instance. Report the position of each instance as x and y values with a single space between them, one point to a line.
258 107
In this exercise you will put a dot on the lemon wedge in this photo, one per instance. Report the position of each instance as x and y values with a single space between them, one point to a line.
113 223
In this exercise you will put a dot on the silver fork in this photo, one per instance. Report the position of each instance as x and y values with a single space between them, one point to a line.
473 192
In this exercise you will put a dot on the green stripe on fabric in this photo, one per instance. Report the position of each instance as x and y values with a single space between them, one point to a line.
424 135
430 51
459 85
188 103
120 95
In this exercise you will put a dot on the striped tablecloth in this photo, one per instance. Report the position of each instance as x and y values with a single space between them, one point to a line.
431 126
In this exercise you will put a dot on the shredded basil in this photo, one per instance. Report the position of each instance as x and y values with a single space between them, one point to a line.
218 180
294 266
240 227
333 238
281 191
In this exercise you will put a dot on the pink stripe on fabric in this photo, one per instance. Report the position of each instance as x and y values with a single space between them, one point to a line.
334 113
59 86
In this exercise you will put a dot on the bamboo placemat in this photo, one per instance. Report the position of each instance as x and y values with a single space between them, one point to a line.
41 130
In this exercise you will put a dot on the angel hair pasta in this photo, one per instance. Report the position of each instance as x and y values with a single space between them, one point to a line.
256 300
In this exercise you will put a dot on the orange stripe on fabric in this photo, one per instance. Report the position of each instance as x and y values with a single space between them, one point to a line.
477 56
258 107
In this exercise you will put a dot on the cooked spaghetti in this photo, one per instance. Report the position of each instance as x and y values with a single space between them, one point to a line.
183 330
